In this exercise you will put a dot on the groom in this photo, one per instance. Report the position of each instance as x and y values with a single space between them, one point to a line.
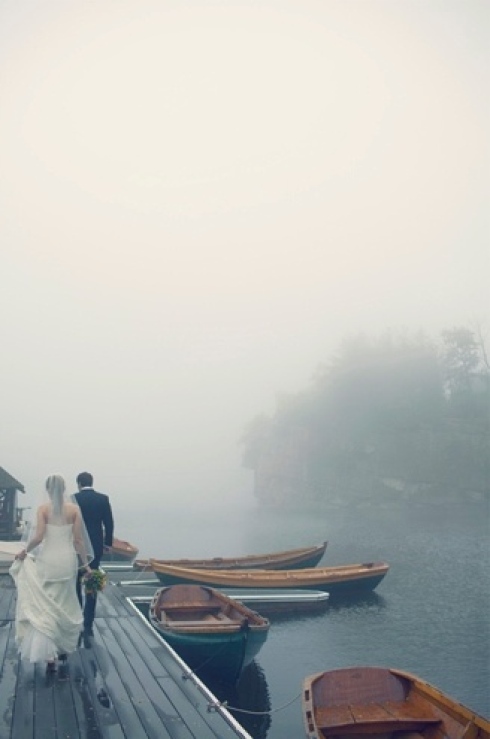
97 516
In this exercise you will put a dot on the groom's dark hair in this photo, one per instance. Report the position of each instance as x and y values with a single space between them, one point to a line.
85 479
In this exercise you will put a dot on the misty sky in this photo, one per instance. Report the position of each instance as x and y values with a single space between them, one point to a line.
199 200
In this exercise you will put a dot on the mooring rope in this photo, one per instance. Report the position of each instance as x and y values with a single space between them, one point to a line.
225 704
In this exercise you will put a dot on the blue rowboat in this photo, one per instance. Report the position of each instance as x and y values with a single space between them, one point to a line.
214 634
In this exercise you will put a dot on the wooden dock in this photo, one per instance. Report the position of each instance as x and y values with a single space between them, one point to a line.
124 683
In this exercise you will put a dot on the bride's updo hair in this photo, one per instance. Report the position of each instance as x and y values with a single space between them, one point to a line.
55 485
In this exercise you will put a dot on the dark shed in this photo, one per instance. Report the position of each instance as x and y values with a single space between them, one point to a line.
11 524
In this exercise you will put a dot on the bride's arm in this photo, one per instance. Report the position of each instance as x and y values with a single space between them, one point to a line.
38 536
79 542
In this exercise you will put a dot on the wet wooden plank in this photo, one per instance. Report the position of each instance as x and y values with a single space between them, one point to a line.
84 712
23 713
8 677
149 650
63 704
101 683
5 632
7 598
110 603
70 719
44 716
128 671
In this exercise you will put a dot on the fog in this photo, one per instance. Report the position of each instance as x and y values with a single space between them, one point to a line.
200 200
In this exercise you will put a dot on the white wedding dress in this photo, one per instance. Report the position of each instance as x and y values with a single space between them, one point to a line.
48 617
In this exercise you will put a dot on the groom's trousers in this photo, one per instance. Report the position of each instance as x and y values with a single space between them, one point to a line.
90 599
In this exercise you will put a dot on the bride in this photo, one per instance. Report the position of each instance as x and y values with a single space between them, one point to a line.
48 617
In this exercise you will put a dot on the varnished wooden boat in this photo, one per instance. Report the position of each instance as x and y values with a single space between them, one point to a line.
121 551
211 632
384 704
289 559
335 580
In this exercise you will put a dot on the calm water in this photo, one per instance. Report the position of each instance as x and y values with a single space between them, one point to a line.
430 615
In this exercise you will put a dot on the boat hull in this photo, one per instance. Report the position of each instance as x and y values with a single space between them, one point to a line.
224 656
121 551
291 559
335 580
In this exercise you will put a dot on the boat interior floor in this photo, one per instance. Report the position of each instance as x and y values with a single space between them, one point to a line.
379 719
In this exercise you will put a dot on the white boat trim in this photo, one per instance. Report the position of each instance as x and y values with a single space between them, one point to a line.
286 597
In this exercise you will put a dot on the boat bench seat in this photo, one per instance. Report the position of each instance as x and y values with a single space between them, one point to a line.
192 607
200 624
373 718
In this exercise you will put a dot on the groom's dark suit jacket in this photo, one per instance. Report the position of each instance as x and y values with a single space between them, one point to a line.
97 515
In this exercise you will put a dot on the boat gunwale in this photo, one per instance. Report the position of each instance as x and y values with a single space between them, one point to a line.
127 546
238 563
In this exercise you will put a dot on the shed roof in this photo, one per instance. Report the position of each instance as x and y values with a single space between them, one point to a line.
7 482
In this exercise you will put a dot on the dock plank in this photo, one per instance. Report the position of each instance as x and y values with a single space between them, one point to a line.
110 604
8 677
7 598
108 698
66 718
129 670
5 629
23 713
85 713
44 716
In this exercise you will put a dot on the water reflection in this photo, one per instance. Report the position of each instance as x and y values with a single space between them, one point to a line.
361 601
248 701
364 601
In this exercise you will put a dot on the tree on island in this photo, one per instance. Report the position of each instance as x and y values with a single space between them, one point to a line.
387 397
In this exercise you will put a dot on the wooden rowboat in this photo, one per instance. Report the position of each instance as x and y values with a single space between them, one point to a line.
335 580
386 703
289 559
214 634
121 551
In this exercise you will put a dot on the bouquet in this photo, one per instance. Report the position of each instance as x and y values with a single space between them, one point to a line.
95 582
